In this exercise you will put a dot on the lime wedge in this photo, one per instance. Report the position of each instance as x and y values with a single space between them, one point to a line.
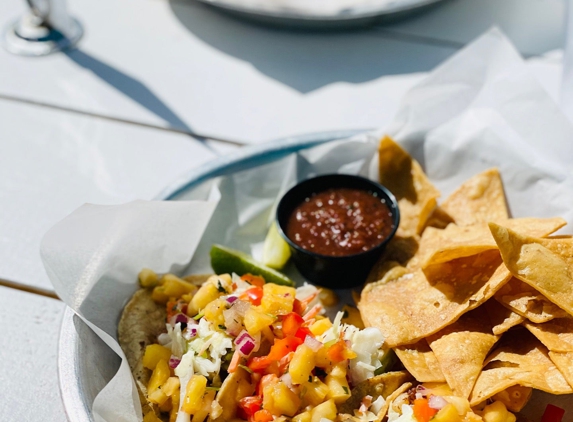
276 252
226 260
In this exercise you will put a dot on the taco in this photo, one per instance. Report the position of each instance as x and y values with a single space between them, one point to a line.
237 348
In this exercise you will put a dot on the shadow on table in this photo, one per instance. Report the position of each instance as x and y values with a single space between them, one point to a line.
307 60
130 87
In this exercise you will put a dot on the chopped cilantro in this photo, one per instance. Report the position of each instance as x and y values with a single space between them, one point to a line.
345 389
222 327
246 368
199 316
213 388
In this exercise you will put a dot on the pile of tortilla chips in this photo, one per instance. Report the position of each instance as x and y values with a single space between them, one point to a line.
468 296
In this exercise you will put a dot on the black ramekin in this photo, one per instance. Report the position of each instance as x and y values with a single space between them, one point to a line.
335 272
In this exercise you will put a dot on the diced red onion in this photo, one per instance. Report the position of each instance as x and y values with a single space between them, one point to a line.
190 332
244 335
174 362
437 402
313 343
231 299
247 347
181 318
421 391
233 321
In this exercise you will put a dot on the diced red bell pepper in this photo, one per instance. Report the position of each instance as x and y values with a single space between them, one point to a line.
253 295
422 410
248 406
255 280
284 346
552 414
302 332
291 324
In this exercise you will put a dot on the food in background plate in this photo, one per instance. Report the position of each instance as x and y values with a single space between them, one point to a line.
469 296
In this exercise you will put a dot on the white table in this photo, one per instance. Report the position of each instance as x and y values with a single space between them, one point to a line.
111 122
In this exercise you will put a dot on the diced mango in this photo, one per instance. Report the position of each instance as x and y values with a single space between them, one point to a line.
324 410
166 406
285 401
148 278
205 295
174 406
153 354
338 370
462 404
214 312
302 417
321 358
338 389
497 412
157 396
314 392
151 417
352 316
255 321
277 300
194 394
302 364
201 414
448 413
160 374
171 386
320 326
158 296
176 287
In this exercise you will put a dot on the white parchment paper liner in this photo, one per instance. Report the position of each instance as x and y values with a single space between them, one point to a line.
479 109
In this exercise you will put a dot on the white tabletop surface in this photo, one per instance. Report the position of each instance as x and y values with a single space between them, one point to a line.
106 123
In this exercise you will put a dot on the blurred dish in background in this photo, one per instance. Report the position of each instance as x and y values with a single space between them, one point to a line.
321 14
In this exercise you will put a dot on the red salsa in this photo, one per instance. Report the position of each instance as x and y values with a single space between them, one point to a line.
339 222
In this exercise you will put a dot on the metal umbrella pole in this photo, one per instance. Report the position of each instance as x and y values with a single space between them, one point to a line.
45 28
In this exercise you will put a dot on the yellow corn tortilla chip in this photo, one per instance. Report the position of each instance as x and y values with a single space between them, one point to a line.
544 264
399 251
502 318
528 302
405 178
564 362
439 219
520 360
478 200
420 361
461 349
459 241
380 385
414 306
556 335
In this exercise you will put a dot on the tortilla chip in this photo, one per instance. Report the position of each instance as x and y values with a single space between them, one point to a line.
564 362
556 335
478 200
544 264
524 300
439 219
461 348
141 322
380 385
414 306
399 251
457 242
420 361
416 195
502 318
520 360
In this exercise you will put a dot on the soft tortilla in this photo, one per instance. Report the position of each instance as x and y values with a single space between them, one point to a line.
141 322
405 178
478 200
